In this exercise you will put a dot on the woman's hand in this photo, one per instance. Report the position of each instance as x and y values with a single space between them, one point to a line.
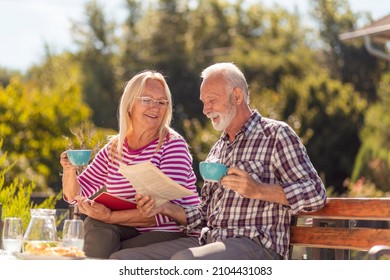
146 205
93 209
97 211
70 185
65 163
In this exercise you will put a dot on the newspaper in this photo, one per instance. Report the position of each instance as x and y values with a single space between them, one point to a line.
147 179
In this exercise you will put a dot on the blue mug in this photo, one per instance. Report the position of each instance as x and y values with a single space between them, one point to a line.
212 171
79 157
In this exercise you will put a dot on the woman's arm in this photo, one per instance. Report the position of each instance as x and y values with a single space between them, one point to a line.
132 217
70 185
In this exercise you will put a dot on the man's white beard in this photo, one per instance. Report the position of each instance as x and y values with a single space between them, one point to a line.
224 118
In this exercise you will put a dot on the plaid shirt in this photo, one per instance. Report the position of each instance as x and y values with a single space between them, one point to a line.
272 153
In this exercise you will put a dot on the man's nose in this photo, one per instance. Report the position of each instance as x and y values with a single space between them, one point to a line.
206 109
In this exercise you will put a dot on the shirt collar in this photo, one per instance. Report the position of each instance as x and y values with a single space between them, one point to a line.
247 128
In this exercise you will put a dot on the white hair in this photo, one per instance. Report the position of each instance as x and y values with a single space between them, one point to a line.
232 75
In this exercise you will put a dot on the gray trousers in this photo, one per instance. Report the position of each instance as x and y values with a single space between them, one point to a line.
101 239
189 249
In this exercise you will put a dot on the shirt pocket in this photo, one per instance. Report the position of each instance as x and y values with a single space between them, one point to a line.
254 168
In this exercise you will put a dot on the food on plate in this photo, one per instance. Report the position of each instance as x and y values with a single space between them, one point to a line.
46 249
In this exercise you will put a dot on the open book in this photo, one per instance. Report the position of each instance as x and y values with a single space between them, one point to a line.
114 202
147 179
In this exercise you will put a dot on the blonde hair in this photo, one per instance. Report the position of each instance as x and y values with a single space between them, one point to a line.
132 91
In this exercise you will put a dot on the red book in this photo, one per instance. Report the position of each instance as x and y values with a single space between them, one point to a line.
114 202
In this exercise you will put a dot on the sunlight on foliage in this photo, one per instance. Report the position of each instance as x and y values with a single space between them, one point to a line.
373 159
15 197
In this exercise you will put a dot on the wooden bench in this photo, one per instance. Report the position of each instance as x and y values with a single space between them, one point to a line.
340 226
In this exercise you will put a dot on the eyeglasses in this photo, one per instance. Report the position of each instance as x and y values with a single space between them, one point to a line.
148 102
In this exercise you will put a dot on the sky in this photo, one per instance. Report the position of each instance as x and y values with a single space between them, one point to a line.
26 26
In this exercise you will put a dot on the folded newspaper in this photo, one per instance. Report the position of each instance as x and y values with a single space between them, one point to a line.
147 179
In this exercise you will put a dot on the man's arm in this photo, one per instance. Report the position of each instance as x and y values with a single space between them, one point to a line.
241 182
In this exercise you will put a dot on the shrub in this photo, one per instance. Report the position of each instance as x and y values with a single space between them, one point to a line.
15 197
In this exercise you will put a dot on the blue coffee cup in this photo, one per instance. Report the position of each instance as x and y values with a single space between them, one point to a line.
212 171
79 157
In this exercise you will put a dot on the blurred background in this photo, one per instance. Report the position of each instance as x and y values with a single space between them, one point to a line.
63 65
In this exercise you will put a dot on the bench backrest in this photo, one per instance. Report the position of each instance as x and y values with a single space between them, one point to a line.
336 232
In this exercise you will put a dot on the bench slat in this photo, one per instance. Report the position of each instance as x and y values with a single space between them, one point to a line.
339 238
353 208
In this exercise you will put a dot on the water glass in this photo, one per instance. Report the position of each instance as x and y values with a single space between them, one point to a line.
12 235
73 234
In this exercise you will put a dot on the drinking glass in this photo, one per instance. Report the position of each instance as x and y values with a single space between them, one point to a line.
73 233
12 235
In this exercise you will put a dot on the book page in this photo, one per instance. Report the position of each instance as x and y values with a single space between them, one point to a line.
147 179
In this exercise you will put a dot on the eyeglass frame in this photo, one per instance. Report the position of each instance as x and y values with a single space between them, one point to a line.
147 102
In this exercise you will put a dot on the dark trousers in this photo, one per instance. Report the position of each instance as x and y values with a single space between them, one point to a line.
189 249
101 239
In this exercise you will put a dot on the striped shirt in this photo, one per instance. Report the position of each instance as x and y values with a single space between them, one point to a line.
272 153
173 158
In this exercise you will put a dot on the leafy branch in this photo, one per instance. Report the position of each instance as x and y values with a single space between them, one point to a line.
84 137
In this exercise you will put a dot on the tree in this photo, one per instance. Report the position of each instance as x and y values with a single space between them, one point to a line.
347 62
328 116
373 160
158 40
35 117
96 40
6 75
130 48
315 87
270 44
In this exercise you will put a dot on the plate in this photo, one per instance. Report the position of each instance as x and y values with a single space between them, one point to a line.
25 256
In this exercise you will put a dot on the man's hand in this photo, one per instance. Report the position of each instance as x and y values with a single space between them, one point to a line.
241 182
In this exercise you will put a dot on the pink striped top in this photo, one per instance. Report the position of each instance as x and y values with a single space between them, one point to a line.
173 158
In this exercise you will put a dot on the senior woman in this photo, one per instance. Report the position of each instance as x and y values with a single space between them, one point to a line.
145 113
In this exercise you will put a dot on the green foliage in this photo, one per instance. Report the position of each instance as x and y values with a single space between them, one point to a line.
200 139
86 136
270 44
15 197
36 115
347 61
314 83
95 38
327 115
6 75
373 160
32 126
